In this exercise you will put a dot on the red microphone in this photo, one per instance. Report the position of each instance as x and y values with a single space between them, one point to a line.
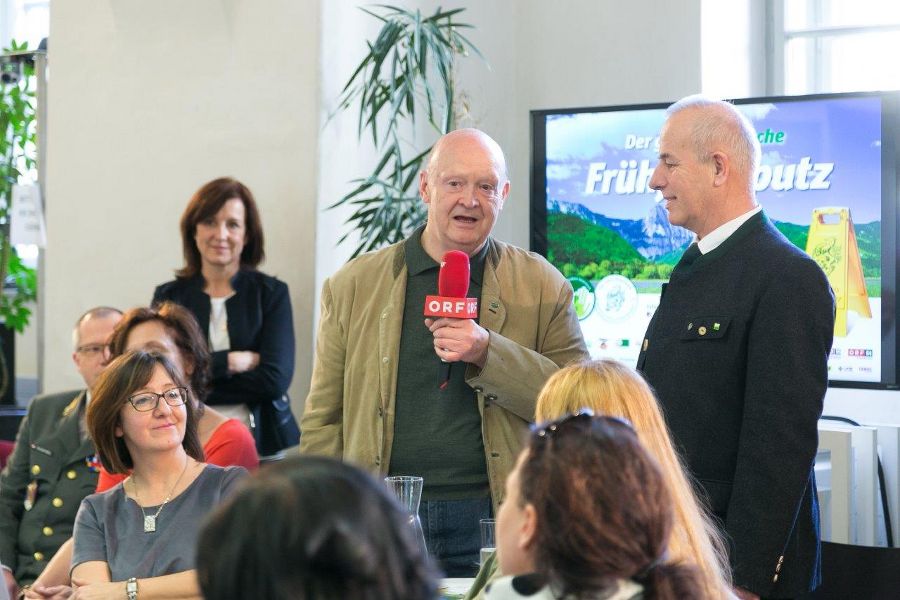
453 285
451 301
453 278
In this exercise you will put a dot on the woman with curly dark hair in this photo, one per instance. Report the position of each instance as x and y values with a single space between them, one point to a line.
313 528
587 515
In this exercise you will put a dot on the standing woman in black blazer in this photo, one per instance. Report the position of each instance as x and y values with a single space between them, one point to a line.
245 314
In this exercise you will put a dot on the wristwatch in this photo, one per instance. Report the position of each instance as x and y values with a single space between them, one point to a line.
131 588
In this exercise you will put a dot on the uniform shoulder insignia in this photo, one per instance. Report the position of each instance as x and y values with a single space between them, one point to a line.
73 405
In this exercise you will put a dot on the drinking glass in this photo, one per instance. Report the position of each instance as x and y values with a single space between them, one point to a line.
408 490
488 539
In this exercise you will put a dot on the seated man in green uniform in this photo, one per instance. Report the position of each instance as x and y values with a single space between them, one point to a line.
53 466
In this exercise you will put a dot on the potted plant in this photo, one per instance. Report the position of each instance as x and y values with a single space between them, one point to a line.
408 73
17 158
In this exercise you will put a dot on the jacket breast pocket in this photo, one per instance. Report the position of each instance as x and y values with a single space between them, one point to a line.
705 328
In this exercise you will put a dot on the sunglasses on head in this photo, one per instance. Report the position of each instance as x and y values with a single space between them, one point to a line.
576 420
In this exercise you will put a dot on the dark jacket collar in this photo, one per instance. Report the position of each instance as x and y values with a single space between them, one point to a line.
413 256
196 283
749 226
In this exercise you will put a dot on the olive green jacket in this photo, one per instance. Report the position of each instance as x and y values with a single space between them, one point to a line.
51 456
526 305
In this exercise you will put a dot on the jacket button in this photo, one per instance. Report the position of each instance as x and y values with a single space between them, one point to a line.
35 469
71 474
491 397
380 412
478 389
57 502
377 461
38 556
48 531
384 360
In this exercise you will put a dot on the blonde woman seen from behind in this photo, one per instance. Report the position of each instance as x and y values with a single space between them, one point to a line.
608 387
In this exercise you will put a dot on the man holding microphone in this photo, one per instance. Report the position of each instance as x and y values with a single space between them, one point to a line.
375 398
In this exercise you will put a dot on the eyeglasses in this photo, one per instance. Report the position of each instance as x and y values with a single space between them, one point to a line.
92 349
583 417
147 401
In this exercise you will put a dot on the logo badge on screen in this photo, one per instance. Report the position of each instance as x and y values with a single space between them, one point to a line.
584 297
616 298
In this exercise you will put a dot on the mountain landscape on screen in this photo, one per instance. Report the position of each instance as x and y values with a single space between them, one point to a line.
632 247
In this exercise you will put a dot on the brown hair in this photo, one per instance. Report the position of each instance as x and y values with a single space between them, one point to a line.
603 511
312 527
182 325
611 388
124 376
205 203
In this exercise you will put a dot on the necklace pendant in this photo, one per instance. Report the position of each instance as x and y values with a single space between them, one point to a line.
149 523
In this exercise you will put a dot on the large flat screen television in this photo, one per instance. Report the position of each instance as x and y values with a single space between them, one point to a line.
828 181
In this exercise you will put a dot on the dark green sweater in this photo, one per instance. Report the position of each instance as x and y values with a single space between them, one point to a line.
437 433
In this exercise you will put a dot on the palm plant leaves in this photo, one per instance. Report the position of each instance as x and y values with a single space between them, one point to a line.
408 71
17 143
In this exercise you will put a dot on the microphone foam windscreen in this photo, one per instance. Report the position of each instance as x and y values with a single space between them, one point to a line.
453 278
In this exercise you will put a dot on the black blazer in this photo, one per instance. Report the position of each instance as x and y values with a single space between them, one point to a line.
259 319
737 352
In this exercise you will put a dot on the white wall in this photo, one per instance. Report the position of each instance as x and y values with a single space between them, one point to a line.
148 101
733 48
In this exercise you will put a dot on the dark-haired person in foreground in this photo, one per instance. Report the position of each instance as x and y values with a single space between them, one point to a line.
374 398
737 351
312 528
137 539
52 467
245 314
588 514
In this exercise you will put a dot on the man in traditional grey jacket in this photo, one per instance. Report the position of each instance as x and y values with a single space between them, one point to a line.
374 398
737 351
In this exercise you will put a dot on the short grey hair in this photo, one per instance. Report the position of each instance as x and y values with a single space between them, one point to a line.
98 312
724 126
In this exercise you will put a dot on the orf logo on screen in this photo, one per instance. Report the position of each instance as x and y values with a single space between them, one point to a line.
456 308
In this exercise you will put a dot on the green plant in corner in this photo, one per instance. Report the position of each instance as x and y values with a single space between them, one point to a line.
409 71
17 155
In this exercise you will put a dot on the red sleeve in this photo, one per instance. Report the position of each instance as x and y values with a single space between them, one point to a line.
108 480
232 444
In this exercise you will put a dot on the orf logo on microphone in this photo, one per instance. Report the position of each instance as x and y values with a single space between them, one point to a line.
447 306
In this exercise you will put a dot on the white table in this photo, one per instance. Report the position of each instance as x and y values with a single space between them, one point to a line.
456 585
